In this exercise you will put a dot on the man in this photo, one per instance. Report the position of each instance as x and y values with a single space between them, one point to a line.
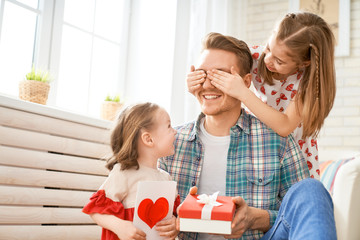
231 151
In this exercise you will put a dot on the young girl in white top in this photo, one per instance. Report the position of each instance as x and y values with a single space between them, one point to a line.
143 134
294 80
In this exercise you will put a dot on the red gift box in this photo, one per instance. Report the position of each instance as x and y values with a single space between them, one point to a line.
200 217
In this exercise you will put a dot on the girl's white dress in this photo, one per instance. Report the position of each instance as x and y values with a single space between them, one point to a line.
279 96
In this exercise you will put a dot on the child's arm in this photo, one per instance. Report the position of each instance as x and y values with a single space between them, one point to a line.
233 85
123 229
167 228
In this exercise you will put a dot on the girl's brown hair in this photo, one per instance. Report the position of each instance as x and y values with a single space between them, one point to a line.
125 135
227 43
309 38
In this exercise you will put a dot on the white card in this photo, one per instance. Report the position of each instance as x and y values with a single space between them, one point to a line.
154 202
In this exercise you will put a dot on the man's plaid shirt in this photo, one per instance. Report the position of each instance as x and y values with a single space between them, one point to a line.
261 165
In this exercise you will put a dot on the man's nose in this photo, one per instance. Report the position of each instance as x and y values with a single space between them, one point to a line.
207 84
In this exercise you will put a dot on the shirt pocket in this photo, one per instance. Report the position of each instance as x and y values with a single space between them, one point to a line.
261 190
260 179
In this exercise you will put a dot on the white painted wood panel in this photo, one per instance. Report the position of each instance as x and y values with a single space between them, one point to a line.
68 232
31 196
40 178
42 215
44 160
40 141
59 127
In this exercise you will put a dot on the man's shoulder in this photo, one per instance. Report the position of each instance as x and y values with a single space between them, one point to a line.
186 130
257 127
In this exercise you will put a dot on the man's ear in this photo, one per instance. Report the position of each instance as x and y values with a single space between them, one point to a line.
147 139
247 79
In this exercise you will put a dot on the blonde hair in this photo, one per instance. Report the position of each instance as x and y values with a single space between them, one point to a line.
126 133
309 38
227 43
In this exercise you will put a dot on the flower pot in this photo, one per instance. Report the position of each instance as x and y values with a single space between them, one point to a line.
34 91
110 110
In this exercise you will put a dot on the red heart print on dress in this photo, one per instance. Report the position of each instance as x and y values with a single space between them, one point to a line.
299 75
290 87
262 89
314 143
255 55
301 143
258 79
283 97
273 92
309 165
151 213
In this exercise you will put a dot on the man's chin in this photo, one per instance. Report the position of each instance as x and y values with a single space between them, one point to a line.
209 111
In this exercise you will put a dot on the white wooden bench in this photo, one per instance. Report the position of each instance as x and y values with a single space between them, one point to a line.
50 164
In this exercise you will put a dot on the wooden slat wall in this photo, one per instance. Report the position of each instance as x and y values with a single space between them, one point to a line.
49 168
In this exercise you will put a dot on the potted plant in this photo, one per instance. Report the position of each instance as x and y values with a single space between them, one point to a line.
110 107
35 88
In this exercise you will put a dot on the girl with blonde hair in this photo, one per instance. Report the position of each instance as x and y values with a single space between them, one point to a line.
142 135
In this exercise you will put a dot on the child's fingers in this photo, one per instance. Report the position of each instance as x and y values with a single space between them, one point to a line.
140 236
193 190
196 82
197 75
167 229
171 234
164 222
218 85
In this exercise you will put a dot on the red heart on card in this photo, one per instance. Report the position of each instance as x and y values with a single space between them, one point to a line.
151 212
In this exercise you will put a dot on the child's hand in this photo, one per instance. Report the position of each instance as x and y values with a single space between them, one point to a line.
195 79
167 229
231 84
129 232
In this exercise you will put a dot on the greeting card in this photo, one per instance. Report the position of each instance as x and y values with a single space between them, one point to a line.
154 202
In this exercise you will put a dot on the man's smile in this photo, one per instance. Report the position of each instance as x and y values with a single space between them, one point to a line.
211 96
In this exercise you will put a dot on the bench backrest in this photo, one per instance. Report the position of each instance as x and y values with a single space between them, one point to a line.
49 167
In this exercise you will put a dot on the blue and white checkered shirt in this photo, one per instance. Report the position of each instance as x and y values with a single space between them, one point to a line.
261 165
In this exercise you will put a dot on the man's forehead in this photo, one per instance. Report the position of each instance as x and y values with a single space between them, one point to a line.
216 59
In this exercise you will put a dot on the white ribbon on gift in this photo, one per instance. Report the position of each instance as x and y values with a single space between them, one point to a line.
210 202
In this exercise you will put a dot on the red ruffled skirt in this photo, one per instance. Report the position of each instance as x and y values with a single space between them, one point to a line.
99 203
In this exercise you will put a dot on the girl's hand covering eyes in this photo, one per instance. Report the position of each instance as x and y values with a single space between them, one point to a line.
230 83
194 79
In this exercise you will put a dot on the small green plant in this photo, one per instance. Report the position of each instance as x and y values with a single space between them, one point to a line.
110 98
38 75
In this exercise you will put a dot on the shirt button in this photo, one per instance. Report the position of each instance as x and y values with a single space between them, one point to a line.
193 183
260 180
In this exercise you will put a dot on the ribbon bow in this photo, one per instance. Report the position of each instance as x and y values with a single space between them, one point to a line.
209 199
210 202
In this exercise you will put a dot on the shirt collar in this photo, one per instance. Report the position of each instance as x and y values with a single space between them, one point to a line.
242 123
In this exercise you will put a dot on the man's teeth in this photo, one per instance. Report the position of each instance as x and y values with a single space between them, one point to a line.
210 96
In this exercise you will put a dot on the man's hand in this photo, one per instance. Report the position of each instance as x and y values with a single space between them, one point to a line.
242 220
248 218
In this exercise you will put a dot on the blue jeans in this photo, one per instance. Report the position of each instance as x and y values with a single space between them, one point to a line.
306 212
